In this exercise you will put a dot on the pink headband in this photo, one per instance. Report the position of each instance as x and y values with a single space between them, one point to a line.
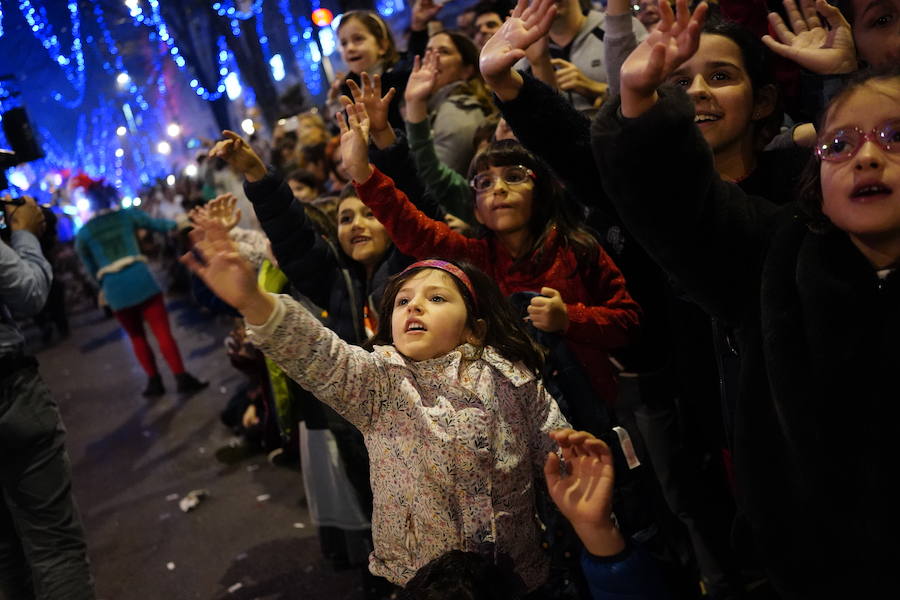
447 267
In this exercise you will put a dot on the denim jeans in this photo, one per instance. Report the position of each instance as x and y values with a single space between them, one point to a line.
43 555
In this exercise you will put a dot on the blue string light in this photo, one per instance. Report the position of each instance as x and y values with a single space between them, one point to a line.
162 31
225 8
301 45
1 20
42 30
386 8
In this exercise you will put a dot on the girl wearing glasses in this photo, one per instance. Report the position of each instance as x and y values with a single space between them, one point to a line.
812 290
529 243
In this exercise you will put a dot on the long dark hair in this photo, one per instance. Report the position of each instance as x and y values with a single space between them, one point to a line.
503 328
474 86
759 67
810 184
550 209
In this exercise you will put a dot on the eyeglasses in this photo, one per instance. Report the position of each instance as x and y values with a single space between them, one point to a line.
511 175
843 144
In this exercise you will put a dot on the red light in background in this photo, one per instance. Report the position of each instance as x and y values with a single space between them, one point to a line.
322 17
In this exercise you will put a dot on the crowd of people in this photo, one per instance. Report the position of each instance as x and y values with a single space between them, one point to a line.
564 302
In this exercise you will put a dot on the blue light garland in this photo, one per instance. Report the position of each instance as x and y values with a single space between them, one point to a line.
387 8
224 55
226 8
42 30
302 46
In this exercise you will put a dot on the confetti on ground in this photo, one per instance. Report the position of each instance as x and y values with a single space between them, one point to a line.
223 389
146 433
252 468
299 526
164 516
171 497
235 587
201 450
170 566
191 501
241 556
263 497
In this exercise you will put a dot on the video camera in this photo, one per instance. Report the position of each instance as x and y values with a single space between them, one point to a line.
20 135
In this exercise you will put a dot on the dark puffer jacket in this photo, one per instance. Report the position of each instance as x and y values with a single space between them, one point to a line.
817 330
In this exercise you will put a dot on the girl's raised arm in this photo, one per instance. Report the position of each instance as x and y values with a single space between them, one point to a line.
346 377
412 232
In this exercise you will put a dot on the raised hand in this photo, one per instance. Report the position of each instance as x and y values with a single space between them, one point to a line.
377 106
355 140
420 84
809 43
239 155
584 493
673 41
215 260
219 213
422 12
525 26
548 312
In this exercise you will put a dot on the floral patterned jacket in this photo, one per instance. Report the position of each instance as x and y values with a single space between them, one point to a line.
455 442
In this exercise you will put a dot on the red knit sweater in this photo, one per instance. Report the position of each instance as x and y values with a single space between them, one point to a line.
602 314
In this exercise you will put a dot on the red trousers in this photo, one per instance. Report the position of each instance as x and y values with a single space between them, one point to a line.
153 311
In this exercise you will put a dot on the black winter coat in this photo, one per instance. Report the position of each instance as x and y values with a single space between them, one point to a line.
818 332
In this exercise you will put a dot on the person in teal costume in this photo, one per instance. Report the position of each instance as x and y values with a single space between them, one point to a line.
108 246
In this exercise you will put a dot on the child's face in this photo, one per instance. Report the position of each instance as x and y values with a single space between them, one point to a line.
450 62
504 207
359 49
301 191
429 316
876 31
861 195
716 80
361 236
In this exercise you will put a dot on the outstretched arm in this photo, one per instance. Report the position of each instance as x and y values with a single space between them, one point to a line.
527 24
348 378
301 252
412 232
707 234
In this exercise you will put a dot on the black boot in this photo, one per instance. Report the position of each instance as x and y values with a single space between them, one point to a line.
154 387
188 384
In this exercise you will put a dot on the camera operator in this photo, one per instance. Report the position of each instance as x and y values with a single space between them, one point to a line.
42 550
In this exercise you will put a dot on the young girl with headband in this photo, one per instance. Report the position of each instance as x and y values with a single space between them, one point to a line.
453 414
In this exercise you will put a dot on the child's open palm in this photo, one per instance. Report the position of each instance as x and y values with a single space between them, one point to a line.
355 139
420 84
809 43
377 106
239 155
673 41
584 494
215 260
219 213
